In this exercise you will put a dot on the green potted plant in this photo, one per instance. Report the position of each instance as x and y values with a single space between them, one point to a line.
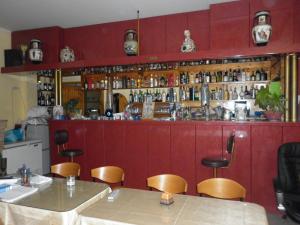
271 100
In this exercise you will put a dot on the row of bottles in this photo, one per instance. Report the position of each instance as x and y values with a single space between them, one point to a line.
46 73
158 95
90 84
235 75
222 93
46 99
45 84
152 81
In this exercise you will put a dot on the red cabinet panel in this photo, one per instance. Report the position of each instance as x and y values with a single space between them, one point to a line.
153 35
159 149
290 134
51 38
265 141
114 144
175 26
183 154
94 147
234 9
208 143
296 16
236 34
198 23
135 156
240 168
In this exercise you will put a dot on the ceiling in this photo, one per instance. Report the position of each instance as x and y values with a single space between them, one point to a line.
27 14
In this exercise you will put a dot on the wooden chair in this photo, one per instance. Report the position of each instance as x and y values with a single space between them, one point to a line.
108 174
221 188
168 183
66 169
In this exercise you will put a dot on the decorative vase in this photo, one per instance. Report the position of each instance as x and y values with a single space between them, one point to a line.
35 51
67 55
273 116
262 29
130 43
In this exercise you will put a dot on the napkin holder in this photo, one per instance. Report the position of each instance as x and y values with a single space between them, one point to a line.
166 198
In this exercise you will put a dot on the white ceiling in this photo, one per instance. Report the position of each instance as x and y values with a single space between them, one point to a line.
27 14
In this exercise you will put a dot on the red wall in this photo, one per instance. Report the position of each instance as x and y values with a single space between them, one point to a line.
225 26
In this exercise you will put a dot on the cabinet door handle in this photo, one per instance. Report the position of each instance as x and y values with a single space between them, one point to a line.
35 145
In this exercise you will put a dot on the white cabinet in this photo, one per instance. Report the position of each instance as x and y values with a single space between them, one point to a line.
27 152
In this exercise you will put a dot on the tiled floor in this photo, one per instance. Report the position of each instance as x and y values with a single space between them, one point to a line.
277 220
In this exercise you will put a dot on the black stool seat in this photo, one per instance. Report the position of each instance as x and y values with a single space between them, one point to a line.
215 162
71 152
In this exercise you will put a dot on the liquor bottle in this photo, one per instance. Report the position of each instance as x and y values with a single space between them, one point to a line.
230 76
85 84
243 75
225 77
242 93
192 93
214 78
257 75
164 96
131 99
235 95
230 94
226 93
208 77
151 80
252 78
42 100
247 94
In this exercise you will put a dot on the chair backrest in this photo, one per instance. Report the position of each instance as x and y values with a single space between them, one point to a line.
168 183
289 167
231 147
109 174
61 137
221 188
66 169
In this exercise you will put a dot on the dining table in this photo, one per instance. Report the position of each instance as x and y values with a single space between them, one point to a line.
133 206
54 203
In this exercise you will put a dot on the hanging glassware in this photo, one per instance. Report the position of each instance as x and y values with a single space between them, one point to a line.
262 29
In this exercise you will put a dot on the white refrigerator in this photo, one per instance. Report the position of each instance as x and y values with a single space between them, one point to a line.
41 132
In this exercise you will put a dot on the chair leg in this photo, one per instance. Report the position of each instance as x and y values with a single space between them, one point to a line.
215 172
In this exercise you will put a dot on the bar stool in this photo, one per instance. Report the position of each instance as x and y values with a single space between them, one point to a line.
61 138
221 161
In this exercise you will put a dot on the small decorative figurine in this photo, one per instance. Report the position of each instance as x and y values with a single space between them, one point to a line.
67 55
188 44
262 29
35 51
130 43
23 48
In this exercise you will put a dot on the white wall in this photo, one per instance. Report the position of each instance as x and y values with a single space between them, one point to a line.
17 92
